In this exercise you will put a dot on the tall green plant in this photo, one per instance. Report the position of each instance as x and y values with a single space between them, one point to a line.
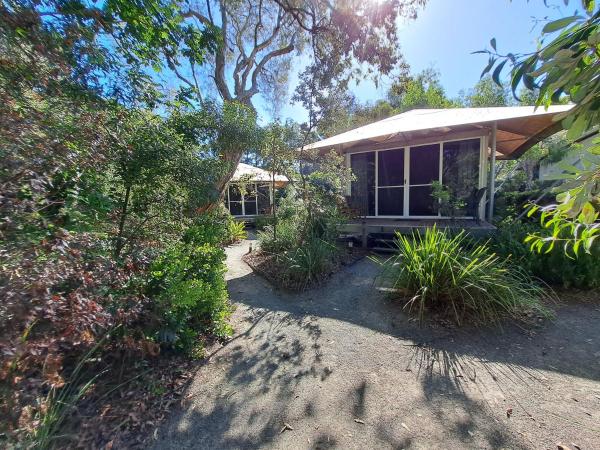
565 65
466 282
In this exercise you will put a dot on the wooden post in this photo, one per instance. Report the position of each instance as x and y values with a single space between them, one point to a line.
492 181
364 234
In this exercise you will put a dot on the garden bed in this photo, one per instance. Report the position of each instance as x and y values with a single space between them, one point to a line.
270 267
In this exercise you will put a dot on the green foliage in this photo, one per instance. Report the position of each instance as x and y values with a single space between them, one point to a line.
486 93
216 227
306 228
449 202
308 263
262 221
287 233
236 231
190 291
572 234
423 90
106 49
464 282
565 65
554 266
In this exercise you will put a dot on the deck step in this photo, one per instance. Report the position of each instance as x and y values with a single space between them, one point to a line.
384 249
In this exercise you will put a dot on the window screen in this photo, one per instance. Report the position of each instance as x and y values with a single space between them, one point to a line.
234 193
424 164
390 170
362 190
264 199
235 208
421 203
460 170
391 201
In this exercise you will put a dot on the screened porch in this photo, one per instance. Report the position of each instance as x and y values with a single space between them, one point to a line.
397 182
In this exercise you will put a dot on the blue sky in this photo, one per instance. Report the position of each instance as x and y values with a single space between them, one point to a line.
446 32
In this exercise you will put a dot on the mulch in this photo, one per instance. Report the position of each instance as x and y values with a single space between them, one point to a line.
126 409
268 266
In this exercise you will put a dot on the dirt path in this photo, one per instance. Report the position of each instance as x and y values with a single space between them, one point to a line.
346 369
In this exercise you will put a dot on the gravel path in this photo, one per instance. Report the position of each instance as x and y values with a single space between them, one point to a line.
341 367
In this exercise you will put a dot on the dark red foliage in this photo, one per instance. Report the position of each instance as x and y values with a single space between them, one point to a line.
58 299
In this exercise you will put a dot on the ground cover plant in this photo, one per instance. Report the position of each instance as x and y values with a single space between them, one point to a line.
554 266
466 282
299 248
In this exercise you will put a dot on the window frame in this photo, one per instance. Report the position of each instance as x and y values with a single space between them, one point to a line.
482 164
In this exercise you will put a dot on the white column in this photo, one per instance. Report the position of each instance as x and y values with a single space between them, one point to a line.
492 180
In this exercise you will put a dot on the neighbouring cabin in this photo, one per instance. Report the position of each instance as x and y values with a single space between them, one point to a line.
252 191
397 160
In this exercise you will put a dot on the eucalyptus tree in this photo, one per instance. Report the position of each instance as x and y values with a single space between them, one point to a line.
260 40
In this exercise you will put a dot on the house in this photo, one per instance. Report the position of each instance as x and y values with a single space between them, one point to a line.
395 161
250 191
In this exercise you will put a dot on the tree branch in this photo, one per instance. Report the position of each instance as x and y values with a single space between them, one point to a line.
202 18
260 66
220 80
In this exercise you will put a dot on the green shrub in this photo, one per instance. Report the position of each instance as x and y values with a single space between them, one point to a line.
189 286
295 226
459 279
555 267
217 227
261 222
307 264
236 231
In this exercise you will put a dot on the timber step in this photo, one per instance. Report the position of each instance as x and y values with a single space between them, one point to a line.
382 242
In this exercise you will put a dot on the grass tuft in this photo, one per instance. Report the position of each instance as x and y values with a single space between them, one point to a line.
461 280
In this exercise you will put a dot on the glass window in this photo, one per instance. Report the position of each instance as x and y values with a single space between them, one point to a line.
264 199
235 208
424 164
250 207
234 193
250 193
460 168
362 190
390 170
421 203
391 201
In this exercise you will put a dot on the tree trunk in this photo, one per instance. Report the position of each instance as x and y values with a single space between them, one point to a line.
120 241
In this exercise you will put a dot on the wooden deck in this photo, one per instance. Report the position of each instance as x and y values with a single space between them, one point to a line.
374 232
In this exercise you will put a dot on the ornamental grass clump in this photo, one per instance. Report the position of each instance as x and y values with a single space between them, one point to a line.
463 281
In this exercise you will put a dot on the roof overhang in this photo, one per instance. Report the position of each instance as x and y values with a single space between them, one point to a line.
518 128
246 173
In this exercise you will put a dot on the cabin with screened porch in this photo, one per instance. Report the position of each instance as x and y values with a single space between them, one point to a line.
396 162
251 192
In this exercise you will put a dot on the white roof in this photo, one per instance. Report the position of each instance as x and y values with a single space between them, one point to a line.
246 172
521 121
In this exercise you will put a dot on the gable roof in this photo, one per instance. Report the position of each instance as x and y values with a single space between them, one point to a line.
519 127
246 172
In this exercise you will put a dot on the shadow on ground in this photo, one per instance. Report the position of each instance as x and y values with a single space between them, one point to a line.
342 367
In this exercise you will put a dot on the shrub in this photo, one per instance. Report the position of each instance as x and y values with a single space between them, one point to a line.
189 285
295 226
261 222
217 227
459 279
236 232
555 267
307 263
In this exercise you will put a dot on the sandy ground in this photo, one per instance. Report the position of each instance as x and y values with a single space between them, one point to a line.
342 367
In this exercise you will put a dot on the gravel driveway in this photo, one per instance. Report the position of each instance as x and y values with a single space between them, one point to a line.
342 367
